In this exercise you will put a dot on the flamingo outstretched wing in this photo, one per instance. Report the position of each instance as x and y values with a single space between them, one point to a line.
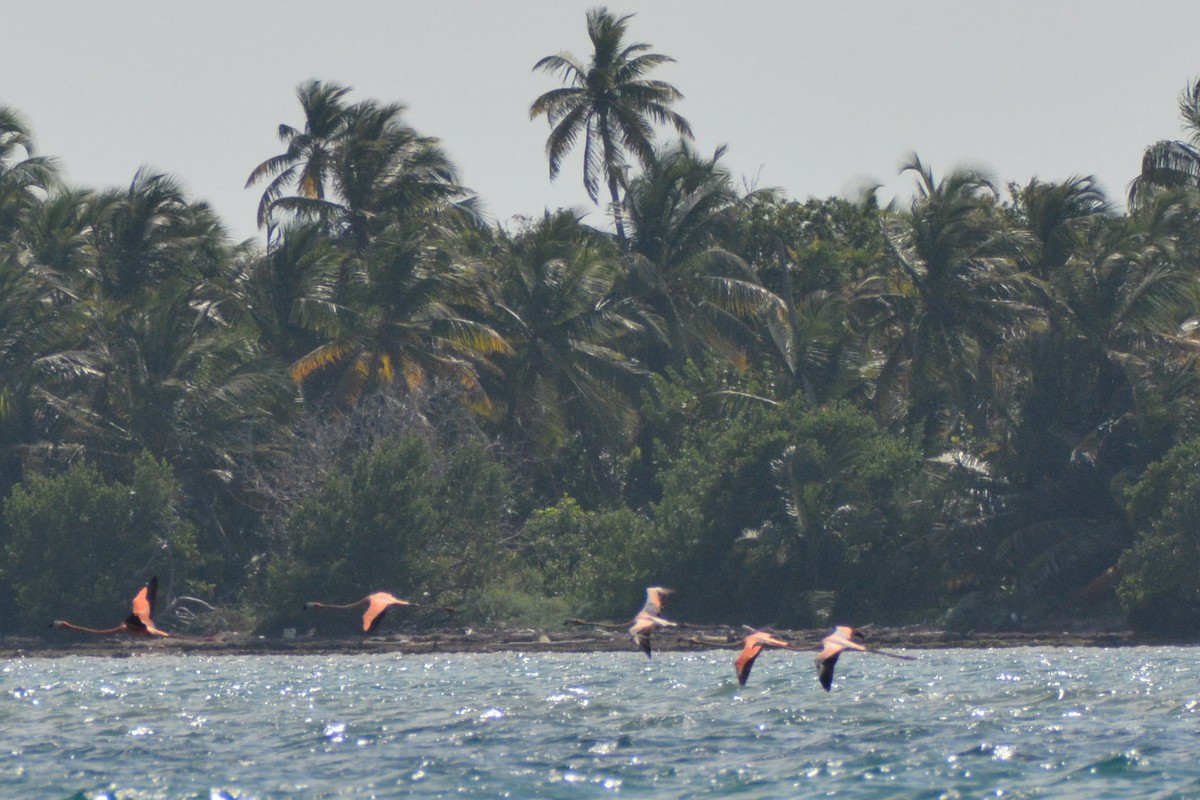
378 605
655 597
143 606
752 647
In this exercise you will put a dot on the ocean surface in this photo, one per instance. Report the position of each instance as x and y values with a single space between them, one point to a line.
1061 723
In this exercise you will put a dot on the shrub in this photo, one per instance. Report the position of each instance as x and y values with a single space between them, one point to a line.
1160 587
515 600
79 546
769 509
599 562
424 524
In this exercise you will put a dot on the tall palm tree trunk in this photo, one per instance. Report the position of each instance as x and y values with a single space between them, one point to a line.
618 213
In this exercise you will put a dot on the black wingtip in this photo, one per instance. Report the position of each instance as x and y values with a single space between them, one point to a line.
825 671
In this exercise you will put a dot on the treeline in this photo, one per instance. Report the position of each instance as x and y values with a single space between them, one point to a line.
979 409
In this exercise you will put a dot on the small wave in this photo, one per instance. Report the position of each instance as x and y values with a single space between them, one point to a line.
1118 764
593 724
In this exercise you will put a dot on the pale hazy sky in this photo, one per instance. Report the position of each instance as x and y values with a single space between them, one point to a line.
813 98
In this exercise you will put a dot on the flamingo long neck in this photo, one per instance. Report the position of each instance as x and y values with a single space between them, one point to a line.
362 602
83 629
610 625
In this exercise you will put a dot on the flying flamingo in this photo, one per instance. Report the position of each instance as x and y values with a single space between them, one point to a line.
752 646
648 619
139 623
842 638
377 605
644 623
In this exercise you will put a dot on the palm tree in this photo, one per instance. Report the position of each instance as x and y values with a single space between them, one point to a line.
389 201
379 169
1058 215
184 379
610 104
140 236
567 375
42 333
25 291
356 168
809 259
306 161
1172 164
811 342
1112 383
24 177
294 290
407 314
700 294
57 232
1074 241
38 330
958 299
184 383
1129 297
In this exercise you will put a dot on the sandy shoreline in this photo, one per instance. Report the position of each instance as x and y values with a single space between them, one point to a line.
582 640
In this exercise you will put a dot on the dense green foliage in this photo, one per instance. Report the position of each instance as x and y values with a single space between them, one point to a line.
400 515
977 409
76 539
1159 588
786 514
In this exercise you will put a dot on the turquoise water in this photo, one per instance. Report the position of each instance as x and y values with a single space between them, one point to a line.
1061 723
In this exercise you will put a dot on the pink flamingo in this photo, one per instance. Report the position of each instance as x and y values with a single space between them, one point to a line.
752 647
377 605
842 638
139 623
649 618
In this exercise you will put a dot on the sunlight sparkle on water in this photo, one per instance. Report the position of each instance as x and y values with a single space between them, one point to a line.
1066 723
